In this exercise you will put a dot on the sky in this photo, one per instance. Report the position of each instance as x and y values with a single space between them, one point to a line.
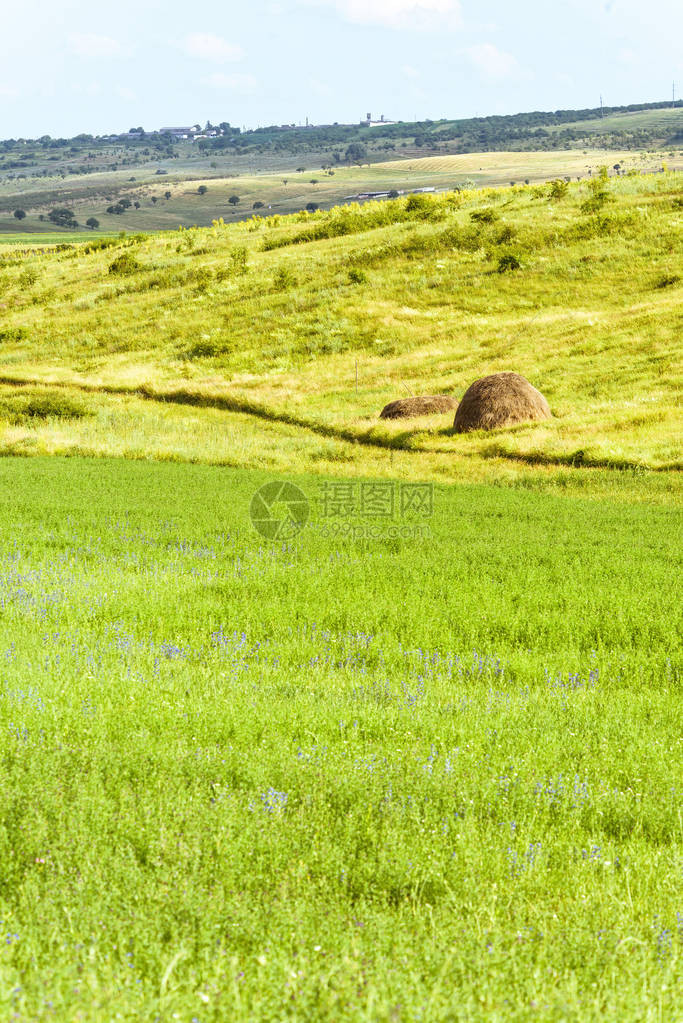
71 66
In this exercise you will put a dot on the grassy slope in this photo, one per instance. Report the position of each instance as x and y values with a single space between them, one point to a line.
91 195
592 318
334 779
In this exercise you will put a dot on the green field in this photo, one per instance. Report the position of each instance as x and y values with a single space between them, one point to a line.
335 778
419 760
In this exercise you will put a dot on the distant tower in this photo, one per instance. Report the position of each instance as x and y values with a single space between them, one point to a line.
368 117
601 110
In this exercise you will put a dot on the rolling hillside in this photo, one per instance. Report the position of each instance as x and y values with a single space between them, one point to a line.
277 342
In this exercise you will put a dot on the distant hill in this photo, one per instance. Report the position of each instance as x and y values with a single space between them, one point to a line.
150 181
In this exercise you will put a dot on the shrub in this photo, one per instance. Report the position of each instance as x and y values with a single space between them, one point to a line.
19 408
667 280
483 216
28 278
425 207
558 189
599 195
506 234
13 334
357 276
508 261
283 279
238 259
125 264
100 243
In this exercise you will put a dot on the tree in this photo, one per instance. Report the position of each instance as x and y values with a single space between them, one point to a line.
233 200
93 223
393 194
202 190
312 207
258 205
167 195
356 153
62 217
20 214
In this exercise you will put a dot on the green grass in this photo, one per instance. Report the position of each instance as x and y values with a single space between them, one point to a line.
335 778
367 773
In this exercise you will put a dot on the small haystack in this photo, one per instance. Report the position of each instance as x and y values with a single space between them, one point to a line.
423 405
501 399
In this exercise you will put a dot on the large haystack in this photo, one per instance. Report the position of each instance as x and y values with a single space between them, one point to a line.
423 405
501 399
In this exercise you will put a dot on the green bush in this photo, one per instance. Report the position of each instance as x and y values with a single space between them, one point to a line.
125 264
506 234
21 408
238 259
667 280
283 279
483 216
99 244
558 189
509 261
13 334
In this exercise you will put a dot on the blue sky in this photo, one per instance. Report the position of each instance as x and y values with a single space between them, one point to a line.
68 66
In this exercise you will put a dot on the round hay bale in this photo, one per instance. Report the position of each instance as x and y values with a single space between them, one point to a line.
423 405
498 400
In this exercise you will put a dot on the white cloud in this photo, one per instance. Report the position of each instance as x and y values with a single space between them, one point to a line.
212 48
409 71
395 13
124 93
7 92
90 45
492 62
242 84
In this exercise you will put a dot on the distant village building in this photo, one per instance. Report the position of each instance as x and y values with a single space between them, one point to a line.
178 133
369 123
